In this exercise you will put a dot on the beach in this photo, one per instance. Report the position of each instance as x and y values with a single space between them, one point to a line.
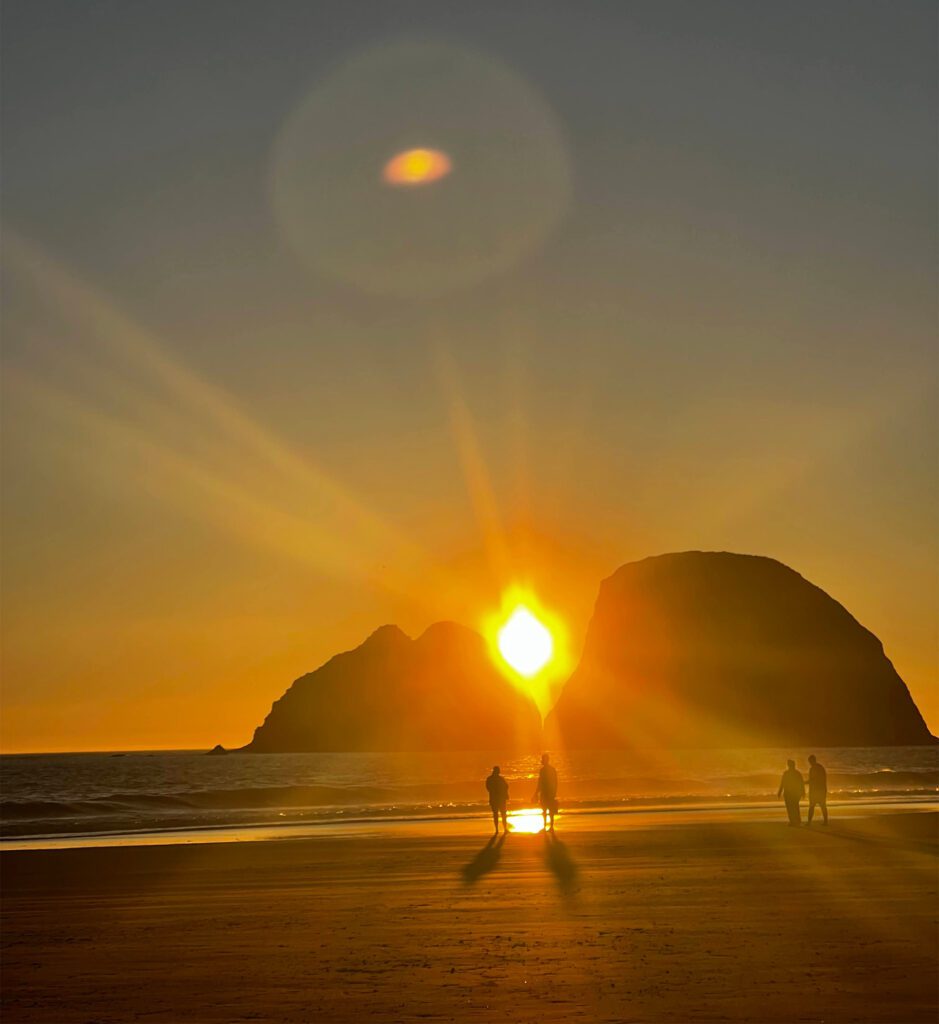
617 918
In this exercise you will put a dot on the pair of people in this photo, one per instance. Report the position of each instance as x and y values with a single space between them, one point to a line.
545 795
792 789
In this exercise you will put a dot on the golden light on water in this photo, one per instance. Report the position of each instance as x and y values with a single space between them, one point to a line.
528 819
417 167
525 643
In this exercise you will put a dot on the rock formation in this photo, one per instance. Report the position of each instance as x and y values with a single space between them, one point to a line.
439 692
704 649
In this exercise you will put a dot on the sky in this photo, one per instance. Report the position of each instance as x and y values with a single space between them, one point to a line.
677 293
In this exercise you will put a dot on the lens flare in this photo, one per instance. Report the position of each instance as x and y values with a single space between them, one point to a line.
363 174
417 167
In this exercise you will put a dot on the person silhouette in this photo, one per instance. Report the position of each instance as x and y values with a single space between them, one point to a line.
498 790
818 789
792 789
546 792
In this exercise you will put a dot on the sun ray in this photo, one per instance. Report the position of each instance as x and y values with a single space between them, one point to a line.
195 438
129 341
475 473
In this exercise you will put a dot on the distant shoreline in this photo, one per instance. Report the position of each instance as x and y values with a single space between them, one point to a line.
472 822
130 751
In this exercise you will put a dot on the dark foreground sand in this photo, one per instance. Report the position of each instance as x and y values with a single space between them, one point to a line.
697 922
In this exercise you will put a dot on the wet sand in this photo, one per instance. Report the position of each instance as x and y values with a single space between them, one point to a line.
618 920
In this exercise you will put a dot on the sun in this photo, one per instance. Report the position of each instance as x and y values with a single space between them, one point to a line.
528 642
525 642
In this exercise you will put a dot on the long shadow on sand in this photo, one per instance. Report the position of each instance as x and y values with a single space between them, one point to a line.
484 861
560 862
921 838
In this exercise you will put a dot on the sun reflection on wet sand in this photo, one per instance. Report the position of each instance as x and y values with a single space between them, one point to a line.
528 820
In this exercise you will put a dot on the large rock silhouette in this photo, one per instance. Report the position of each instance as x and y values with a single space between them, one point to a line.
704 649
392 693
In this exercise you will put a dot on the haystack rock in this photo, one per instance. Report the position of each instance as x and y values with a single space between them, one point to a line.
705 649
392 693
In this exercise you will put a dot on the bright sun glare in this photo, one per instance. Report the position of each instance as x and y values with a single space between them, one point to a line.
525 642
528 643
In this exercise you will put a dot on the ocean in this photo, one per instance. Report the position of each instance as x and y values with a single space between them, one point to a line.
87 796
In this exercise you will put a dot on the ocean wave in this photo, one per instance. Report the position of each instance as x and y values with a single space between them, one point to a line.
91 827
443 794
925 778
219 799
96 793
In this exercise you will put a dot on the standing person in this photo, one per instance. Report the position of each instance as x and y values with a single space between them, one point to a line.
792 788
498 790
546 793
818 789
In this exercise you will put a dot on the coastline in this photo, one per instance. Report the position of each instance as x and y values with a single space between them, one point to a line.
415 922
458 822
73 799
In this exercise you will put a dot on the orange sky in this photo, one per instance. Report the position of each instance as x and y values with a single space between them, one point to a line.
179 563
253 409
